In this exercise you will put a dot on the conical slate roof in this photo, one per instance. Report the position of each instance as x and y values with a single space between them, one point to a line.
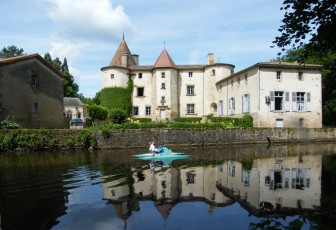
122 49
164 60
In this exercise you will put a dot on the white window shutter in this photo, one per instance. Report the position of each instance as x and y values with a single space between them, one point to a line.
233 104
308 104
287 105
248 103
243 107
294 104
272 99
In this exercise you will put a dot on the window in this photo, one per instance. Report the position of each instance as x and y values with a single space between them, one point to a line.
232 72
112 76
301 101
245 78
231 105
148 110
246 103
163 85
190 74
139 75
163 74
34 80
300 76
301 122
213 72
238 80
221 108
190 177
136 111
279 101
163 100
190 109
190 90
140 91
278 75
35 108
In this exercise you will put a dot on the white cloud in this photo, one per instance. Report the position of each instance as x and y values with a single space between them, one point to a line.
87 19
67 49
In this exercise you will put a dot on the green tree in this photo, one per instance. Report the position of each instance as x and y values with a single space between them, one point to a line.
48 58
314 20
70 87
11 51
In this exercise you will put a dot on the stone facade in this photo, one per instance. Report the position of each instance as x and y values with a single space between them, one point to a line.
275 94
74 108
31 90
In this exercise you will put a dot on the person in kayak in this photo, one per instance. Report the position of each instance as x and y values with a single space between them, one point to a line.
152 148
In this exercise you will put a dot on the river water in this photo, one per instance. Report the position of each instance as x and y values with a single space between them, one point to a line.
227 187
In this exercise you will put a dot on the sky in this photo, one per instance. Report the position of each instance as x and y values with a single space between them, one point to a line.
88 32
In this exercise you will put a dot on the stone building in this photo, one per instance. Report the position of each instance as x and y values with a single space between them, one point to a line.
31 90
275 94
74 108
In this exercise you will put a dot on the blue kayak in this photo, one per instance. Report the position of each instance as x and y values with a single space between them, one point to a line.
165 154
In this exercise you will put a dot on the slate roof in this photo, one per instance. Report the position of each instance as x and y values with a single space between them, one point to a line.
72 101
117 58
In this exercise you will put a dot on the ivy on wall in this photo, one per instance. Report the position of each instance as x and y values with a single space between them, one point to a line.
117 97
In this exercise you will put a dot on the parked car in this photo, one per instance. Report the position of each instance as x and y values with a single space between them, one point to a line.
77 122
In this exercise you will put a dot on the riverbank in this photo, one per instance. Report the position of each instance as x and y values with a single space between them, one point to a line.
22 139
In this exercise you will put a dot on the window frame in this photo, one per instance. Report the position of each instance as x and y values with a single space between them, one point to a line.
143 91
190 90
148 110
135 109
190 108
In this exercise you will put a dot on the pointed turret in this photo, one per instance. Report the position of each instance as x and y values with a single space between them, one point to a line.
164 60
123 56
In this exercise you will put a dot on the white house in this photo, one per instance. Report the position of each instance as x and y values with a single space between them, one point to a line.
74 108
275 94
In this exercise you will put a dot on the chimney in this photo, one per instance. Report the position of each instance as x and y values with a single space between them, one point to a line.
210 59
124 60
136 59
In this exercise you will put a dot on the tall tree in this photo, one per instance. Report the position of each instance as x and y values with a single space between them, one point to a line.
64 66
308 19
70 87
11 51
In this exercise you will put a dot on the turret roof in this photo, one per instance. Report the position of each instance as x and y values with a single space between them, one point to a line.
164 60
122 49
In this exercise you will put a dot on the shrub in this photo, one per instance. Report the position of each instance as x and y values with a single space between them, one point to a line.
97 112
141 120
247 121
8 142
117 116
187 119
86 139
9 123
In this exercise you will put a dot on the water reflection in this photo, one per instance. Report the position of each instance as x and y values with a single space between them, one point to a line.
239 186
261 185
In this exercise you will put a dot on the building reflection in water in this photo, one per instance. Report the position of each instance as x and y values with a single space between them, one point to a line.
280 183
